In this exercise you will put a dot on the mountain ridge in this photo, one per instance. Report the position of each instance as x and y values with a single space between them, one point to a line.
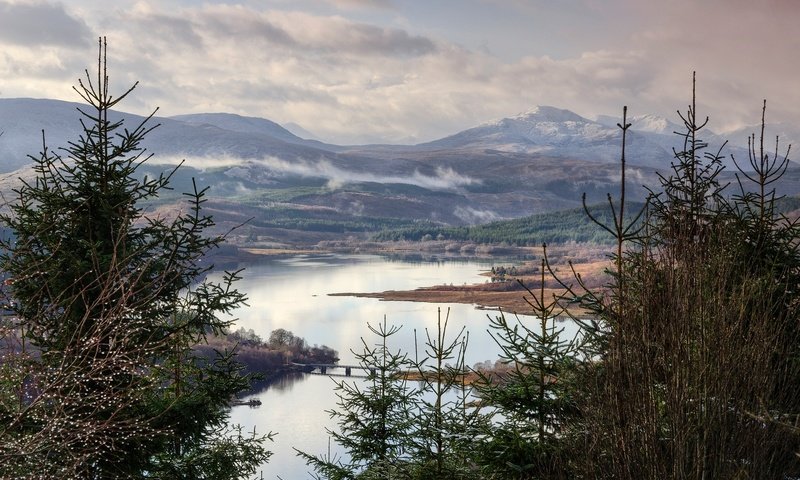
540 130
542 160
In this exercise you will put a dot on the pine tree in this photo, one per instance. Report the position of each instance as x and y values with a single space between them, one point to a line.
443 425
534 401
108 303
374 418
698 374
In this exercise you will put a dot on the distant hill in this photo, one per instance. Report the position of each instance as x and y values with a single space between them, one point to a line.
252 125
22 121
302 190
788 134
299 131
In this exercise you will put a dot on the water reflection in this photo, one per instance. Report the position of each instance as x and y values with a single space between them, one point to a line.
284 381
293 293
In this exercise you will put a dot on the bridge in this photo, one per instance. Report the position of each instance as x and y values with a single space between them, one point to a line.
400 374
324 367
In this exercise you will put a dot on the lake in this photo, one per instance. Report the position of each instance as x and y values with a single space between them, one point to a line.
293 293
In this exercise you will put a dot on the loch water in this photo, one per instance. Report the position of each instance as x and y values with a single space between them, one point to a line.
294 293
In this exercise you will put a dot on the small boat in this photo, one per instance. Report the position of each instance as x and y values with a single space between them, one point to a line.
253 402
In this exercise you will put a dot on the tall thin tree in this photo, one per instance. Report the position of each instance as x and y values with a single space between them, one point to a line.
108 299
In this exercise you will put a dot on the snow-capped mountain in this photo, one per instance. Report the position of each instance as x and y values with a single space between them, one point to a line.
544 159
557 132
643 123
667 134
786 135
534 131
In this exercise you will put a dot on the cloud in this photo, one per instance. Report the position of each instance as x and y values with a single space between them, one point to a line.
241 24
297 31
338 35
282 65
200 163
358 4
41 23
474 216
169 29
355 76
443 179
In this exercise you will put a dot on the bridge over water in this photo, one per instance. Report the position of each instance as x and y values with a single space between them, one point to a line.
324 367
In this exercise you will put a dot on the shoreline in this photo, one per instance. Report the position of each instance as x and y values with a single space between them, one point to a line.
503 294
514 302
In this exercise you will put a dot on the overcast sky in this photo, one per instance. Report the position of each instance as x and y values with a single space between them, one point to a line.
408 71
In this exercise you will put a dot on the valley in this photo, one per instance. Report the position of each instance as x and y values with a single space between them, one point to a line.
517 181
504 187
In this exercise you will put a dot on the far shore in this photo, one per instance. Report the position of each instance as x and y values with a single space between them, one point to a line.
280 251
501 292
434 247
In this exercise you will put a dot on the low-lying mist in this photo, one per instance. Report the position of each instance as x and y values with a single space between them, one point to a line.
336 177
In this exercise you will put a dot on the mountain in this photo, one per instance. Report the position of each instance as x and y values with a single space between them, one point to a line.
553 131
251 125
537 131
23 122
238 123
299 131
666 134
291 189
643 123
208 136
786 133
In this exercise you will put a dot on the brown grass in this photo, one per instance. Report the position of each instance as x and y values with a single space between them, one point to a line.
508 295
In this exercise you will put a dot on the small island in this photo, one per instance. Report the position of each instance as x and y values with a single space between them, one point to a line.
267 359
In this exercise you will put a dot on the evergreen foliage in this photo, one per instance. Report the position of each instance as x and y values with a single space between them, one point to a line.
107 310
390 429
374 419
556 227
444 426
698 375
534 402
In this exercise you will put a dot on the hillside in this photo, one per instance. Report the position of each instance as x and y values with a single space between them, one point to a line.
290 190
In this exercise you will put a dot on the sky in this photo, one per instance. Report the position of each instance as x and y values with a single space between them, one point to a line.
409 71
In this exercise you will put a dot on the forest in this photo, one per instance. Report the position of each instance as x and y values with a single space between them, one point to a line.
558 227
